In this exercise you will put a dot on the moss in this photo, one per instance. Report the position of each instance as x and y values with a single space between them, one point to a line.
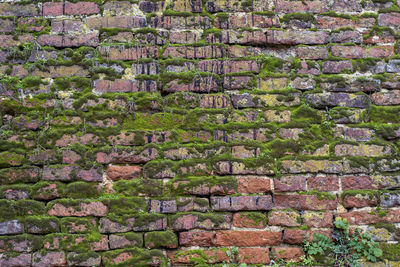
306 113
161 239
298 16
82 190
20 208
365 64
139 187
384 114
143 220
77 225
256 217
387 132
125 205
31 241
134 257
42 224
390 251
222 17
170 12
82 257
371 194
188 185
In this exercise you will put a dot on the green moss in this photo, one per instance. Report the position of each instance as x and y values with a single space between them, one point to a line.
390 251
216 218
298 16
161 239
134 257
143 220
188 185
365 64
82 257
9 242
307 114
222 17
42 224
170 12
139 187
384 114
12 209
82 190
371 194
77 225
125 205
386 131
256 217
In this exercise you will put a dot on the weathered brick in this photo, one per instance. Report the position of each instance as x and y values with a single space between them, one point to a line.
253 185
49 259
323 100
125 240
249 220
284 218
325 166
323 183
248 238
77 208
285 253
242 203
389 19
318 219
291 37
304 202
312 52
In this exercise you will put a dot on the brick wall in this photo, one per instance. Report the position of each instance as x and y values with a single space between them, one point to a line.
136 133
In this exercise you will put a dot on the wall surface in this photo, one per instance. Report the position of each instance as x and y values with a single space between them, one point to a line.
145 132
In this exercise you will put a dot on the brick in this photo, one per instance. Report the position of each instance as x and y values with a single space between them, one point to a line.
107 226
290 184
323 100
248 238
81 8
82 209
202 239
191 52
116 172
221 67
290 37
253 185
162 206
12 9
180 22
386 98
48 259
323 183
187 6
129 53
359 200
312 52
333 23
84 259
362 150
296 237
188 221
354 134
89 39
285 253
303 202
125 240
240 20
337 66
318 219
347 37
360 217
299 6
325 166
242 203
19 175
249 220
59 172
254 255
16 260
125 22
389 19
11 227
52 8
284 218
199 84
303 83
359 52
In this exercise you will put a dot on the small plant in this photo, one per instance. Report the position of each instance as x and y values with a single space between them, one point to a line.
344 250
234 258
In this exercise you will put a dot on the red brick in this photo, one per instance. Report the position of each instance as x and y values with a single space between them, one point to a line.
248 238
81 8
253 185
296 237
389 19
249 220
49 259
360 217
360 201
303 202
285 253
357 182
318 219
312 52
96 208
291 37
115 172
284 218
323 183
52 8
290 184
254 255
202 239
